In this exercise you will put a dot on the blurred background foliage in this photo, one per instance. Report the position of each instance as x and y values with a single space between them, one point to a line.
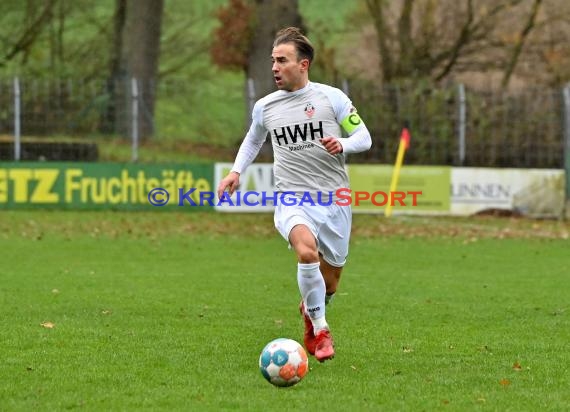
398 60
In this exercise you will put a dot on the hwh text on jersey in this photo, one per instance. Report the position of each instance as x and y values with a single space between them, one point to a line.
303 131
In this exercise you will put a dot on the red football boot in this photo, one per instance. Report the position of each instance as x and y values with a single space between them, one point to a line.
309 336
324 349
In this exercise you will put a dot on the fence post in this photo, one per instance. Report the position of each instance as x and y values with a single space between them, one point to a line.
17 130
135 119
566 114
250 96
345 87
461 124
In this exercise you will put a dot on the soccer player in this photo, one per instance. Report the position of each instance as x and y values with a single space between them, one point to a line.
306 121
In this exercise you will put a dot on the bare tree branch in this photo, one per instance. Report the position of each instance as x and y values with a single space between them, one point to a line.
376 8
176 66
520 43
462 39
26 40
405 38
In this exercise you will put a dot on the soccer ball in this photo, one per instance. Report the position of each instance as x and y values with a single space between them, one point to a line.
283 362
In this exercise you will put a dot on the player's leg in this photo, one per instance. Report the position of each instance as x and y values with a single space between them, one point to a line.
311 282
286 219
331 274
334 239
312 286
333 242
299 226
304 244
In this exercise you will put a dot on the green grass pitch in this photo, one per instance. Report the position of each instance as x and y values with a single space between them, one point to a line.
169 311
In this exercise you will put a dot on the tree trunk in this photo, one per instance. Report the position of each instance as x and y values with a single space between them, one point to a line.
141 40
271 16
383 33
114 120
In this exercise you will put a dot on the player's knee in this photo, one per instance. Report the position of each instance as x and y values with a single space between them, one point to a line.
307 255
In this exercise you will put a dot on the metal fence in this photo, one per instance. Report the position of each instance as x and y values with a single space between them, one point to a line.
34 111
450 125
461 127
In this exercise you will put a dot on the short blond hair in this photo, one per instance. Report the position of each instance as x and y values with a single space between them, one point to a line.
302 44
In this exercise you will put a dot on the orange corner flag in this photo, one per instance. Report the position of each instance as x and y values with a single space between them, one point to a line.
402 147
405 138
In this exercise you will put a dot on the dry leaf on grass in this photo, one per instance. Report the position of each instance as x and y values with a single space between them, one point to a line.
505 382
48 325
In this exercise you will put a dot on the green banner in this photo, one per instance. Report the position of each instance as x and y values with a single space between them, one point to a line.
60 185
420 188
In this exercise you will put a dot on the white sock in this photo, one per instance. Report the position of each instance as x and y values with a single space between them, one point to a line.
329 298
319 324
313 290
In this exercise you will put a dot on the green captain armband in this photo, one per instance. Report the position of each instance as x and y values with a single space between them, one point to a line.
351 122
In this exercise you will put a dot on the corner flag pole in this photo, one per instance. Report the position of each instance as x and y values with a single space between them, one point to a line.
404 145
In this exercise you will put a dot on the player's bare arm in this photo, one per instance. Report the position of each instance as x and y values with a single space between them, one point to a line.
230 182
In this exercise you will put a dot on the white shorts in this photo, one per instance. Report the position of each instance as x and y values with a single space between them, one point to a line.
330 225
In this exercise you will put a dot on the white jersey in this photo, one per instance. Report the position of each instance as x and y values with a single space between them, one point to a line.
296 121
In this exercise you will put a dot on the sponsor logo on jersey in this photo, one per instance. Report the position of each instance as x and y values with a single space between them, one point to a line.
298 133
309 110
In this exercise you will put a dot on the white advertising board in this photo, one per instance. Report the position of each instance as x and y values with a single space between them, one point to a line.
258 177
529 192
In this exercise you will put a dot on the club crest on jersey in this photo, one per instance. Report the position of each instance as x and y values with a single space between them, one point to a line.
309 110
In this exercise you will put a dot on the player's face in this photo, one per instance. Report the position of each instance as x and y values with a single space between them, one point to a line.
289 73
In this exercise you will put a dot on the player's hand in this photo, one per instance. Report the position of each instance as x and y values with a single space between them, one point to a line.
230 182
332 144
